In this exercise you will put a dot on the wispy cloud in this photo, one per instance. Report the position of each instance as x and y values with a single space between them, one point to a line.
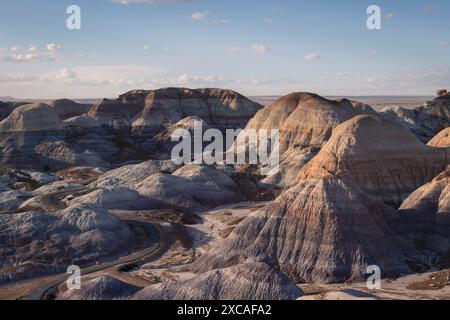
420 81
221 21
260 48
312 57
50 52
342 74
257 48
200 15
20 77
115 79
126 75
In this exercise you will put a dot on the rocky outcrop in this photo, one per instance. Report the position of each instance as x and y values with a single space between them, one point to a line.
129 175
83 121
33 136
441 140
30 118
144 109
26 179
428 208
426 121
26 127
7 107
192 188
432 198
136 126
58 186
248 281
378 155
335 222
78 235
322 230
66 108
60 154
291 162
305 122
114 113
113 198
306 119
101 288
11 200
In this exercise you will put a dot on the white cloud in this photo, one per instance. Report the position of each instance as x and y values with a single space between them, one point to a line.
27 57
50 52
186 79
390 15
127 77
312 57
51 47
200 15
20 77
373 51
118 75
257 48
444 44
65 75
260 48
221 21
146 47
110 81
413 82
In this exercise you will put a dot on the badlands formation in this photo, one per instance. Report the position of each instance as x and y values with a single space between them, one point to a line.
94 186
113 132
425 121
441 140
305 121
341 217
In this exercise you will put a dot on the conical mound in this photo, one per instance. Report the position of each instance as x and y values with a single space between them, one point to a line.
335 222
305 122
380 156
322 230
33 117
306 119
441 140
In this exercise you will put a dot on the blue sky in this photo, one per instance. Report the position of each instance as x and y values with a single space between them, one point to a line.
257 47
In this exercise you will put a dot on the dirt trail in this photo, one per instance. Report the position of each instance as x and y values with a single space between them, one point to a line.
36 289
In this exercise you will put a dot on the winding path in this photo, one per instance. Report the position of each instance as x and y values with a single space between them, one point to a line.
52 282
